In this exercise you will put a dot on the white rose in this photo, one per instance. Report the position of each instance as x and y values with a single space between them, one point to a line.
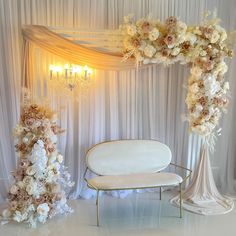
25 140
30 208
198 109
27 180
14 189
149 50
191 38
181 27
6 213
36 124
56 166
59 158
196 71
50 176
40 152
143 45
21 184
153 34
215 51
202 53
39 172
194 88
43 209
40 143
31 188
221 68
211 88
17 216
214 37
175 51
131 30
30 170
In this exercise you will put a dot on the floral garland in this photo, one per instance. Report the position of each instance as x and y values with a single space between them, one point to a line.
204 47
41 180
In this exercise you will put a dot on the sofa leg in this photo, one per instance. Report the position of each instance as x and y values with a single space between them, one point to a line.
160 193
97 204
180 200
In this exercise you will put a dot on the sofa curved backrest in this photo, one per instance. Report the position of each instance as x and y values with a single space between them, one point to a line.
128 157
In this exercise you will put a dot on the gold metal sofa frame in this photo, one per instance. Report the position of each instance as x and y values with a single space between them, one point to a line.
115 189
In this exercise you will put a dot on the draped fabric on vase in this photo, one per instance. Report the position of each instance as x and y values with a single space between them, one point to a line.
144 104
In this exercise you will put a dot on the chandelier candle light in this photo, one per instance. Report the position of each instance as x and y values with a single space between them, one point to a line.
71 75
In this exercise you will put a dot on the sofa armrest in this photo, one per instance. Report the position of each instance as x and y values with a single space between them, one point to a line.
86 180
183 168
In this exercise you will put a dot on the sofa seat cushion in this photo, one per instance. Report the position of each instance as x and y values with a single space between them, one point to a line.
144 180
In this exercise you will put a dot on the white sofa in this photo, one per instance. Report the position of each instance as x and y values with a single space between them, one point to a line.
131 164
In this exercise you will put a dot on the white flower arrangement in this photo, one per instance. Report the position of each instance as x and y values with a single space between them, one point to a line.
204 47
41 179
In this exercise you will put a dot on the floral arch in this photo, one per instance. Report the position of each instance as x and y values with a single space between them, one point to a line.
203 47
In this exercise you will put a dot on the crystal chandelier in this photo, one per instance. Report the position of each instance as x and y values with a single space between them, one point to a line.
71 75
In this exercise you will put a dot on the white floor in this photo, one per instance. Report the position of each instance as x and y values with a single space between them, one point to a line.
139 214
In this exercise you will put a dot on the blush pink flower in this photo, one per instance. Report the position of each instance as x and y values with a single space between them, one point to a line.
136 42
169 40
171 21
146 27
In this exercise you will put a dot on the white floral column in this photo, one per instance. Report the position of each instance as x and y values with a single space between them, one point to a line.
41 180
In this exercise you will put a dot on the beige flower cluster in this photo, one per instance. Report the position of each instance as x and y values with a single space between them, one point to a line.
203 47
38 192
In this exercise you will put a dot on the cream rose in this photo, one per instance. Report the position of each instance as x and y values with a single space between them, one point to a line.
6 213
196 71
27 180
59 158
21 184
31 188
153 34
175 51
149 50
214 37
131 30
30 170
25 140
43 209
14 189
181 27
191 38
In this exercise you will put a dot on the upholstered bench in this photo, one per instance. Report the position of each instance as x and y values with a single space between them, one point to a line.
131 164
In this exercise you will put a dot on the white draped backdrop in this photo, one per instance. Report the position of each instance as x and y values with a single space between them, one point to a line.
119 105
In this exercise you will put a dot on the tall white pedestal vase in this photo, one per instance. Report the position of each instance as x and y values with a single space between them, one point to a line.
202 196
